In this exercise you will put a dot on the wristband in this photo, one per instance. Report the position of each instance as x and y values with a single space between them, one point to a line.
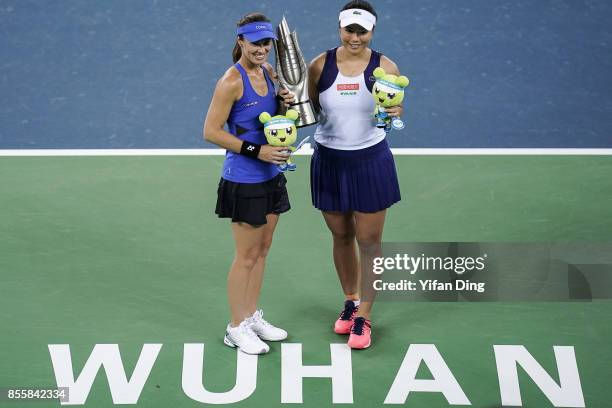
250 149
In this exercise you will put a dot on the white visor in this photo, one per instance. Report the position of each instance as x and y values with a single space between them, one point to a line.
357 16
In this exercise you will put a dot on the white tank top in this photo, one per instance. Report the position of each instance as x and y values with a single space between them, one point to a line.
345 120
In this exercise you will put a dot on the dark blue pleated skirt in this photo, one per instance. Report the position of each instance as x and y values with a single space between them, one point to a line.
353 180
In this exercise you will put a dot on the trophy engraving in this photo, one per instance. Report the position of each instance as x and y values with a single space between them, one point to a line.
293 73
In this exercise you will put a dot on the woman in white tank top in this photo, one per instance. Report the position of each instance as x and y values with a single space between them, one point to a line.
353 177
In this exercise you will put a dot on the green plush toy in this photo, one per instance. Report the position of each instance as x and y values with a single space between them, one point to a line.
388 91
281 131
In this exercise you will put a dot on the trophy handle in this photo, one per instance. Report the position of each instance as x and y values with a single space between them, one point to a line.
282 80
296 44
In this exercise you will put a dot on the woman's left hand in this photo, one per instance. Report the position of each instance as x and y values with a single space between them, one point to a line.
287 97
395 111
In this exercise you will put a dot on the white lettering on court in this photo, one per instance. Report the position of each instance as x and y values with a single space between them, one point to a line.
567 394
123 391
293 372
193 364
443 379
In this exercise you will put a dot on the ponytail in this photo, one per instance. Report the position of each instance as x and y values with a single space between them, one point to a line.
236 52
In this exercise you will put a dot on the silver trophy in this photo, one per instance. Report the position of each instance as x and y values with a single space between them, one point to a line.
293 73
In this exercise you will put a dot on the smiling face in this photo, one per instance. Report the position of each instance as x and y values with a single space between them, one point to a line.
280 130
387 96
355 38
257 52
281 136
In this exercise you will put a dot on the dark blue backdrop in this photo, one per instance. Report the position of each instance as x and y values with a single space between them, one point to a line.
139 74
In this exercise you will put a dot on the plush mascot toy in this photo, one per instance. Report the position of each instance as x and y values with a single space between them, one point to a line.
281 131
388 91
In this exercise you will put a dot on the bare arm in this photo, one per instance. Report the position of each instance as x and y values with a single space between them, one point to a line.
391 68
227 91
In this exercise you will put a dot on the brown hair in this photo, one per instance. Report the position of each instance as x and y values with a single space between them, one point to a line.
249 18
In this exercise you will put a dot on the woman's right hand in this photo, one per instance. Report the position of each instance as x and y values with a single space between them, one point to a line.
273 154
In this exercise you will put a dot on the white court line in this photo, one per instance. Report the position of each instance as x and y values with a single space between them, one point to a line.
307 150
502 152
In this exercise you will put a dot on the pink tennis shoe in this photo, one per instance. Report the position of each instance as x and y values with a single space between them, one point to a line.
361 331
345 321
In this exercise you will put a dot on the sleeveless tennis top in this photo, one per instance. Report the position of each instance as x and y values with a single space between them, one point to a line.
347 105
243 122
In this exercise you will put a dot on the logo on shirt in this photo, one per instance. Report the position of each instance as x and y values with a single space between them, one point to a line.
347 89
248 105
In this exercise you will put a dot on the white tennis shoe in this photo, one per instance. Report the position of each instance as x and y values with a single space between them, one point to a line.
245 338
265 330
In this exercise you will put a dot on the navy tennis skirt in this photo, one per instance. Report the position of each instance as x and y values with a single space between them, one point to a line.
354 180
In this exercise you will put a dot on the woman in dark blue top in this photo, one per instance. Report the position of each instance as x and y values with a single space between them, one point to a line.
251 191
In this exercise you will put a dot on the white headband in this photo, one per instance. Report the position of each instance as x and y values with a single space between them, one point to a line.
357 16
279 123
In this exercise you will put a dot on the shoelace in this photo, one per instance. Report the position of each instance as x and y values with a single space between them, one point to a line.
245 327
358 325
349 310
258 318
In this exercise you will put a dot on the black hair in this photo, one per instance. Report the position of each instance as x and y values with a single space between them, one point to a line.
249 18
360 4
